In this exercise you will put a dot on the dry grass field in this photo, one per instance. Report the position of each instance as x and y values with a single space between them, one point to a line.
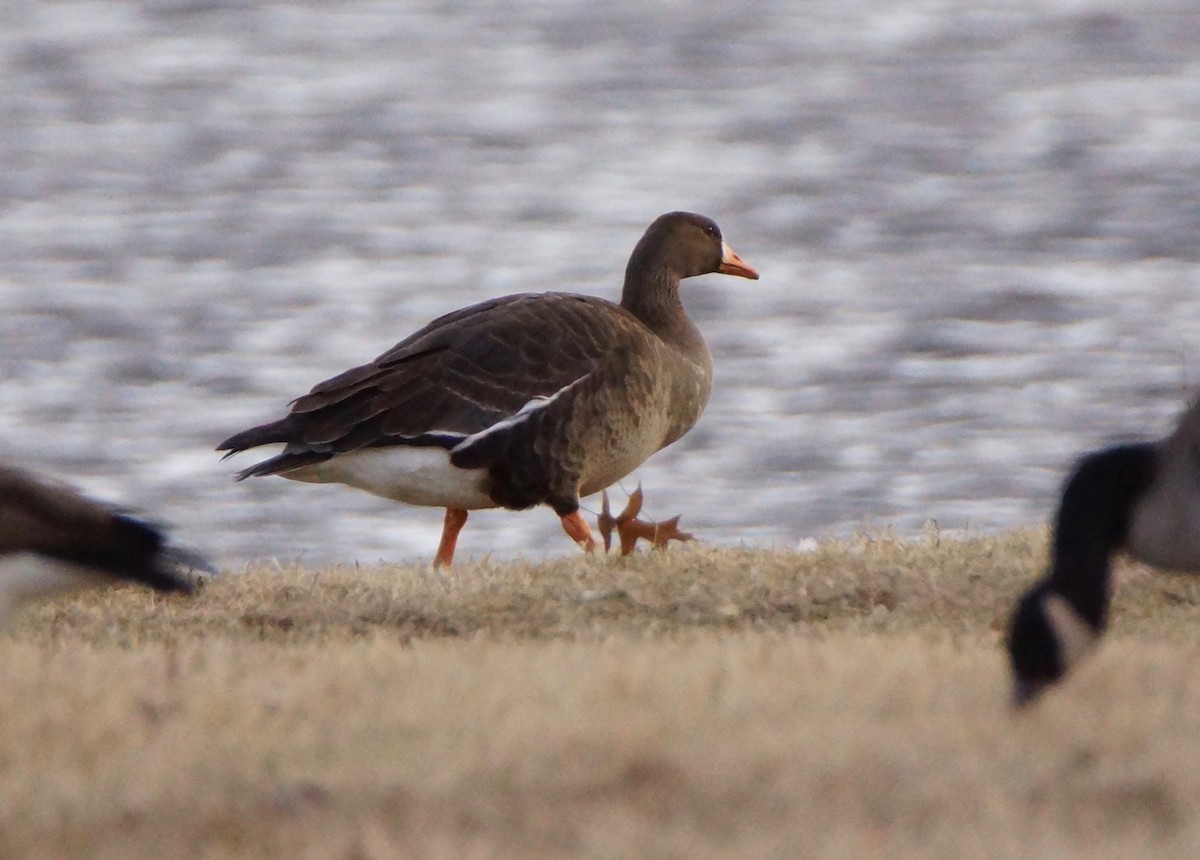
848 702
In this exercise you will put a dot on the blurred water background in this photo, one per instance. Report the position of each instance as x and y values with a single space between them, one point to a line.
976 222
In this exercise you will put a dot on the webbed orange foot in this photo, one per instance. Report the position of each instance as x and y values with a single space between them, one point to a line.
577 529
629 528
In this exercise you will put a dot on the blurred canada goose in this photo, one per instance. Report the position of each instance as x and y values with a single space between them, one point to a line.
517 401
53 539
1142 498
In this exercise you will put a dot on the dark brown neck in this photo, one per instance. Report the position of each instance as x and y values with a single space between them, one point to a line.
654 299
649 292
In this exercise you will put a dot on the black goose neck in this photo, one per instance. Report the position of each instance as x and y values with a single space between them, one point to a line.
1093 523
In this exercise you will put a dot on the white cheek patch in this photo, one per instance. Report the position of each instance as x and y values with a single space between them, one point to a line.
1074 635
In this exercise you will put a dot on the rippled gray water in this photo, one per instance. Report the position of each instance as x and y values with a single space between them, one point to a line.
977 225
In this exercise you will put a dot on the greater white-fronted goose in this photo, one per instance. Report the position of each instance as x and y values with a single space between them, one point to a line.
54 539
1142 498
517 401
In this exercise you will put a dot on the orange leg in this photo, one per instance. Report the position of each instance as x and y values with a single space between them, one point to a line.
578 530
456 518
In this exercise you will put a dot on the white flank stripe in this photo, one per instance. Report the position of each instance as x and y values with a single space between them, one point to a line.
522 414
420 474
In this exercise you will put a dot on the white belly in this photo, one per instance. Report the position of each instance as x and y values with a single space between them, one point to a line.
28 576
418 476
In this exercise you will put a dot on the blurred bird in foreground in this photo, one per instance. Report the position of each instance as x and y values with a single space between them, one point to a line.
54 539
1142 499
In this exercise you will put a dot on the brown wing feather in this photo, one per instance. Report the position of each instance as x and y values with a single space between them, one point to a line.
54 520
36 516
463 372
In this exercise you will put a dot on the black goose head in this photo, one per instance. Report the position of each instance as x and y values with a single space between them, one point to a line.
681 245
1046 637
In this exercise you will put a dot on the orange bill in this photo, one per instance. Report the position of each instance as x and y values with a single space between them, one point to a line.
732 264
